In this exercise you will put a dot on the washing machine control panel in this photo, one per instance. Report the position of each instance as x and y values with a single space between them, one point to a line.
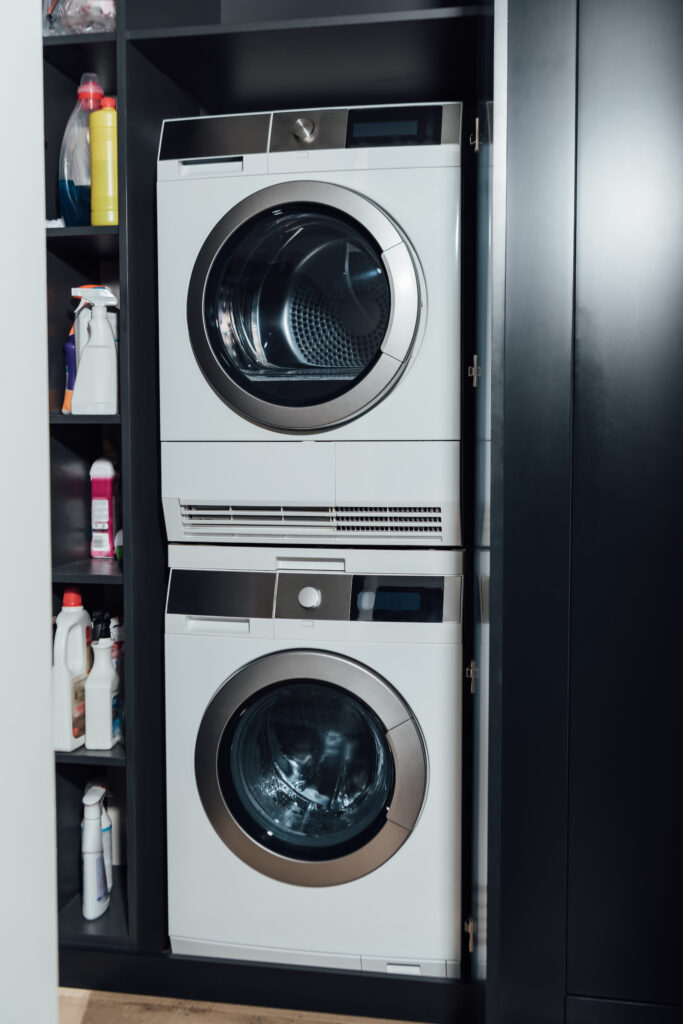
313 596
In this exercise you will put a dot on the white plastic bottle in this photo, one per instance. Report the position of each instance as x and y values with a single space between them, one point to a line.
103 723
96 387
72 660
103 509
95 897
106 824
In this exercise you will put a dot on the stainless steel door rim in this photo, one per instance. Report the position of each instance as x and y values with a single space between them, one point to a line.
401 330
402 735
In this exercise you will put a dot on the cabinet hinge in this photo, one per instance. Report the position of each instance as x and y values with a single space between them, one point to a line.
474 371
470 929
472 673
474 136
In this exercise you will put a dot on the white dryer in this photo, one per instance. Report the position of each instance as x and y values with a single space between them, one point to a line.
309 326
313 739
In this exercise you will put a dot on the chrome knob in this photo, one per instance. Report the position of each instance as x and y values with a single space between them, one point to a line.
303 129
309 597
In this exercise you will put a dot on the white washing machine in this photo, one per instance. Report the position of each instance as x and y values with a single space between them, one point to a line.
309 326
313 724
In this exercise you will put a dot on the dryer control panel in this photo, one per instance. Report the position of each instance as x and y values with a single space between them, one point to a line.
233 135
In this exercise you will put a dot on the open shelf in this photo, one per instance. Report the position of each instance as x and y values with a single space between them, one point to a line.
88 570
325 61
91 52
59 419
75 244
299 24
105 758
108 932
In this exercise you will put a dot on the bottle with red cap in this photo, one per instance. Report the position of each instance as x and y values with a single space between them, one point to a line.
72 662
74 156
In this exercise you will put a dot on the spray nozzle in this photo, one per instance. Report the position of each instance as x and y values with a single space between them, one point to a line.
92 801
96 295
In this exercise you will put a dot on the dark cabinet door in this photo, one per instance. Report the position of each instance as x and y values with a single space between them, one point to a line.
625 884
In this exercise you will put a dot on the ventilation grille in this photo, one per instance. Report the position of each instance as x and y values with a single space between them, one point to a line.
277 520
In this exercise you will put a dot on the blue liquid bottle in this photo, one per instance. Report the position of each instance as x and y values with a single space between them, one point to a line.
74 156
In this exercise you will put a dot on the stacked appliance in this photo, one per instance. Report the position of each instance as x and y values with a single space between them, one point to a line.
310 359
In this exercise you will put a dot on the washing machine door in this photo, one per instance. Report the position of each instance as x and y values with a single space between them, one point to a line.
310 767
303 306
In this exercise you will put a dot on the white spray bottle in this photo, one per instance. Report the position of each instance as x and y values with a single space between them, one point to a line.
96 388
95 897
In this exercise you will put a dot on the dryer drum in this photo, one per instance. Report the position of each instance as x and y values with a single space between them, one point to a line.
310 767
303 306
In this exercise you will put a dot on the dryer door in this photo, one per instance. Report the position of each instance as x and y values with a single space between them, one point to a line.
310 767
303 306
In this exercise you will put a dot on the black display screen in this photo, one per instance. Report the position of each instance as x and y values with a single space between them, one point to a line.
397 599
404 126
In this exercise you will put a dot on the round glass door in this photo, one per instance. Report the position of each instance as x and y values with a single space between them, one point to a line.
306 770
293 303
310 767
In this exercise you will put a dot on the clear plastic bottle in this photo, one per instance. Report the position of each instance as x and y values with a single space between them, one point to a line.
74 156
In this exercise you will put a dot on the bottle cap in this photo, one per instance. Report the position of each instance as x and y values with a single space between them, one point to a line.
72 598
89 88
108 101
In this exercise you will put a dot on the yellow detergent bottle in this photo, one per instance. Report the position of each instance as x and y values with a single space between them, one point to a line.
104 196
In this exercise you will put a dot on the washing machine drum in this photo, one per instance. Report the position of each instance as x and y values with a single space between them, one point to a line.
303 306
310 767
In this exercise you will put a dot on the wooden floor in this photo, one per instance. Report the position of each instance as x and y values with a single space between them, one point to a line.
78 1006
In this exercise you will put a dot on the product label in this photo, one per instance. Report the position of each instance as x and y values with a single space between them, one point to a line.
100 542
116 716
99 514
101 880
78 706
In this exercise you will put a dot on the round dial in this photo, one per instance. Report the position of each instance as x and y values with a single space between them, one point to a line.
303 129
309 597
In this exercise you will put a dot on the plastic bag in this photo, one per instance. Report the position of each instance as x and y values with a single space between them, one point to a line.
76 17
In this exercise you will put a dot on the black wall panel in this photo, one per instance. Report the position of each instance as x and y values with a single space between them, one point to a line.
530 524
625 891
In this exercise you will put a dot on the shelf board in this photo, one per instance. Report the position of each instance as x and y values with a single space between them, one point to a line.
115 757
88 570
404 56
58 419
302 24
76 245
90 52
108 932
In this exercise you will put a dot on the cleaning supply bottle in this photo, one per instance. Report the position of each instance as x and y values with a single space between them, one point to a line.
96 386
104 201
72 661
102 508
74 155
70 360
95 896
108 832
103 720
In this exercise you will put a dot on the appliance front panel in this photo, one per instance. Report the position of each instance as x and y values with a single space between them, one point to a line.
422 402
213 893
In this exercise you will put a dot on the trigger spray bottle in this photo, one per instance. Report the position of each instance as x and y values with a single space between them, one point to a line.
95 389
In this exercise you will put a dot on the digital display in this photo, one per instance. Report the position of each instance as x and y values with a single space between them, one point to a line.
379 129
397 599
398 126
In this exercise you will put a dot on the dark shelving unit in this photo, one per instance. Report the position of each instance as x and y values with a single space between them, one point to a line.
73 55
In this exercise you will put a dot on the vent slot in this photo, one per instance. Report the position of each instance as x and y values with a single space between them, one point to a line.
276 520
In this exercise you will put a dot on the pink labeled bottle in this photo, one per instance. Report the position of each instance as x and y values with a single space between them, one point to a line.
103 510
